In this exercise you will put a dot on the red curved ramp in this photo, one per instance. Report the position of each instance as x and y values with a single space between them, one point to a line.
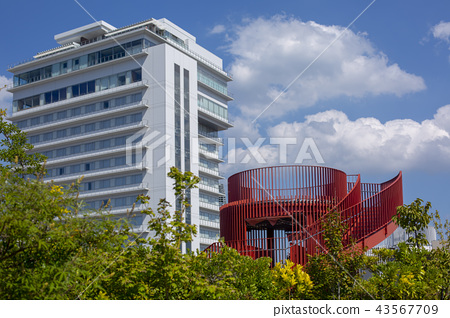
278 211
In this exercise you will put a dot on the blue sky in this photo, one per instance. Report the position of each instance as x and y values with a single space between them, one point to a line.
374 102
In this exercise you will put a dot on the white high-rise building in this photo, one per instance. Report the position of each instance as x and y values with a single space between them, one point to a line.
120 106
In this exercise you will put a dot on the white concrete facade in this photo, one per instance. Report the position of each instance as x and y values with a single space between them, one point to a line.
83 103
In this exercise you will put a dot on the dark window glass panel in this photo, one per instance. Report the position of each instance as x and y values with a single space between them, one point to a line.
83 88
35 100
121 79
75 90
136 75
62 93
48 97
91 86
55 96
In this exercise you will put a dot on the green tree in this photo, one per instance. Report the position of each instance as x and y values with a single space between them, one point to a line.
49 246
336 272
414 219
14 148
411 271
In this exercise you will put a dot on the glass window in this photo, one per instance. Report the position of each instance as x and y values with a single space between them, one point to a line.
120 181
55 69
34 139
76 111
76 64
75 90
106 104
89 127
48 136
60 152
75 169
120 161
48 118
35 121
105 144
87 167
83 88
121 79
89 147
105 124
105 163
91 87
61 114
61 133
104 184
75 130
120 141
48 97
104 83
63 93
75 149
55 96
120 121
136 75
89 108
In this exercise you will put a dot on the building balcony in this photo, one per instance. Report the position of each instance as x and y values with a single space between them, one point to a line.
213 85
210 155
87 155
209 189
116 190
209 206
82 118
211 224
90 135
208 241
210 172
209 139
17 115
208 116
104 62
93 174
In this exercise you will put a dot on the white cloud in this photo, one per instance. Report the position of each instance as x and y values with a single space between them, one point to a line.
361 145
5 96
368 144
441 31
270 53
217 29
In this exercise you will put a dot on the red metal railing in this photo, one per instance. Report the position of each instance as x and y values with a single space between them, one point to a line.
278 211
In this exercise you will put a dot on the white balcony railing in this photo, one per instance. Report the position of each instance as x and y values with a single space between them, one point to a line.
93 115
90 135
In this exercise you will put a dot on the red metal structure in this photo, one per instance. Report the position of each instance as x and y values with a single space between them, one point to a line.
277 211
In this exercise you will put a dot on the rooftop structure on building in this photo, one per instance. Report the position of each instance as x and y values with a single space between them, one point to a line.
120 106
